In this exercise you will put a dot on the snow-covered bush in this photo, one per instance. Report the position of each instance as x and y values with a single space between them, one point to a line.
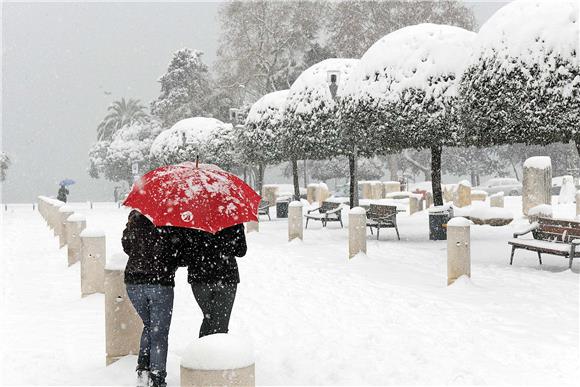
522 84
186 140
405 89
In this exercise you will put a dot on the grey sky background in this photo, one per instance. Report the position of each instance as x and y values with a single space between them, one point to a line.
58 59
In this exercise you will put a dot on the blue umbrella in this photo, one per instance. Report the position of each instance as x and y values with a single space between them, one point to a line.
66 182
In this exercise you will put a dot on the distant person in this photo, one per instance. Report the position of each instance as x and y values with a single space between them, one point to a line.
149 279
213 273
62 193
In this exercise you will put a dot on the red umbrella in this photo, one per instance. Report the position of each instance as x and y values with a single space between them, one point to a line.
201 197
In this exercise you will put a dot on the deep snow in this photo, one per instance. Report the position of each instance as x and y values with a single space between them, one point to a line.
313 316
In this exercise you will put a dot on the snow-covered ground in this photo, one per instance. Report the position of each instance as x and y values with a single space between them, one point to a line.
314 317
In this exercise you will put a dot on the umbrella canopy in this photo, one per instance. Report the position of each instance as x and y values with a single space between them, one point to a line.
66 182
203 197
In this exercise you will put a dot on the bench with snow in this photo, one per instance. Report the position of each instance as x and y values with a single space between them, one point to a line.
382 216
551 236
264 208
327 212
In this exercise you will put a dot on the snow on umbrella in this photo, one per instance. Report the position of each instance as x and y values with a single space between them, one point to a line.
66 182
201 197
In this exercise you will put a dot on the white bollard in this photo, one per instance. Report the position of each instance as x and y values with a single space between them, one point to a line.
252 227
478 196
577 203
357 231
218 360
54 215
537 182
497 200
322 193
75 224
458 249
295 229
123 326
377 190
366 189
428 200
414 203
311 192
463 194
391 186
93 257
63 213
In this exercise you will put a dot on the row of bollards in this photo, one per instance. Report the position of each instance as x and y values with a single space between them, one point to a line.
122 324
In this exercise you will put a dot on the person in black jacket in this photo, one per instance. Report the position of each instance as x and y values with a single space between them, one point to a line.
213 273
149 279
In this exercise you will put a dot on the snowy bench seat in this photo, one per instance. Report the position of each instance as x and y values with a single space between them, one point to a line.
327 212
551 236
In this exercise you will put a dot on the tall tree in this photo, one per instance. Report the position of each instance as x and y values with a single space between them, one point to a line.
185 88
120 114
263 43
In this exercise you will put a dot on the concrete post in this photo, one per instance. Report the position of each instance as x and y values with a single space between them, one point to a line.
357 231
252 227
123 326
477 195
463 196
322 193
366 190
391 186
295 229
428 200
458 249
218 360
447 193
311 193
54 215
63 213
377 190
75 224
414 203
270 193
577 203
496 200
537 182
93 257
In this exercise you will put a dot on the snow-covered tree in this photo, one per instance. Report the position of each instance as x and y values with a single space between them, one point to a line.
406 88
121 113
354 25
4 164
130 144
310 128
186 140
263 43
258 140
338 168
185 88
522 84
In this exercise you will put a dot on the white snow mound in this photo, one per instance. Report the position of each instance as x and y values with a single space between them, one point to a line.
538 162
219 351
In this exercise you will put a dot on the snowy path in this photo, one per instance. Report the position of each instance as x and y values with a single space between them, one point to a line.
314 317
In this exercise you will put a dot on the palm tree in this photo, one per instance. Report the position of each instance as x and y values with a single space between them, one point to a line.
121 113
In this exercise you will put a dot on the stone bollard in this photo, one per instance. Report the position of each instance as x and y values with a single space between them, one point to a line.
322 193
428 200
295 229
447 193
577 203
496 200
270 193
53 215
218 360
463 194
414 203
123 326
537 182
93 257
391 186
311 193
365 189
252 227
478 195
357 231
458 249
75 224
377 190
63 213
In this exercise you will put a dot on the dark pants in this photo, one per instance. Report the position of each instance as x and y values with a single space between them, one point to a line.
154 304
216 302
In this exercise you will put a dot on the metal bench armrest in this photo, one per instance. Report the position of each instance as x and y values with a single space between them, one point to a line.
337 209
533 227
316 209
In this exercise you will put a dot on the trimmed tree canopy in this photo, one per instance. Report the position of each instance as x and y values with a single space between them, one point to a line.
523 82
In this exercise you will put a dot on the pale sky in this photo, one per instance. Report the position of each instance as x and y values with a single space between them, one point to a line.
58 59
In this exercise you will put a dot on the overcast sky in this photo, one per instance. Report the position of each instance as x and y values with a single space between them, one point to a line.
58 60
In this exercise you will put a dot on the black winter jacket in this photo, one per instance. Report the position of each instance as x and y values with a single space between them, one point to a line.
152 251
211 258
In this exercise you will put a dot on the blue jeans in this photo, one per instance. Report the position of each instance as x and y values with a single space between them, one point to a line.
154 304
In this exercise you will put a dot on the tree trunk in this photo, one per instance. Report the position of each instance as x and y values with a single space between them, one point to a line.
577 146
261 171
305 176
245 176
473 179
393 162
295 179
436 175
352 161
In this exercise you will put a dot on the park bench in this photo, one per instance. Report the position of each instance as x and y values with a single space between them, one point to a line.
382 216
327 212
551 236
264 208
